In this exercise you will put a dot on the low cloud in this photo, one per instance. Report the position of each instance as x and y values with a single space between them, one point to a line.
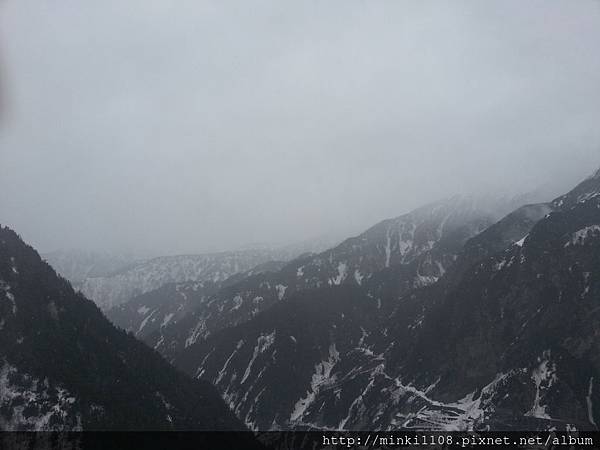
191 126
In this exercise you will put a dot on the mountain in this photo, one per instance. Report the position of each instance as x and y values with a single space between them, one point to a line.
512 228
146 276
77 265
417 248
64 366
520 329
506 338
150 312
114 288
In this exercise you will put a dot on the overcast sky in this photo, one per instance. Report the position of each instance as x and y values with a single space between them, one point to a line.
185 126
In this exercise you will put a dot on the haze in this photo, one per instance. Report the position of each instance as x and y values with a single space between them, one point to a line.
187 126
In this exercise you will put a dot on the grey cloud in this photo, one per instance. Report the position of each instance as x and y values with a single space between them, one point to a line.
203 125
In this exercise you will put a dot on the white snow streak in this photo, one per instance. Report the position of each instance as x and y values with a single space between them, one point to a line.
264 342
321 377
590 405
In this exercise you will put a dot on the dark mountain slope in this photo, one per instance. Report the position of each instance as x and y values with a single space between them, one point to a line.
325 321
64 366
508 345
529 315
415 249
507 342
512 228
264 365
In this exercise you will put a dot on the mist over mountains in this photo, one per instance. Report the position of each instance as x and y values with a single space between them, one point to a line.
460 315
208 126
254 220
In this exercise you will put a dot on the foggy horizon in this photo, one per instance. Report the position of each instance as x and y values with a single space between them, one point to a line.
312 224
211 126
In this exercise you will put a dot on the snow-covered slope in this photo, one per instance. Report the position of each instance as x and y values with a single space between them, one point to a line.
167 305
417 248
149 275
94 275
509 341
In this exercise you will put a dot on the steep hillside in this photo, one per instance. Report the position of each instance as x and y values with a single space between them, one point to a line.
417 248
506 339
63 366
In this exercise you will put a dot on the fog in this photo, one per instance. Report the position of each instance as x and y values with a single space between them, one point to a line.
188 126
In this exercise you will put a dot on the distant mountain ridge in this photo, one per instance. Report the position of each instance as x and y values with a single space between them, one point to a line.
77 265
150 312
111 280
146 276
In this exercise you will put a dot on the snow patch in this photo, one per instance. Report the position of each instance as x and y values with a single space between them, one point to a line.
320 378
580 236
388 248
590 405
9 296
520 242
145 321
198 330
358 277
341 276
167 319
280 291
264 342
237 302
544 376
461 415
13 265
221 373
34 405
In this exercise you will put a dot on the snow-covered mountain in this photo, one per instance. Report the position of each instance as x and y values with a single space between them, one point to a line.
505 338
111 280
417 248
63 366
146 276
155 310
